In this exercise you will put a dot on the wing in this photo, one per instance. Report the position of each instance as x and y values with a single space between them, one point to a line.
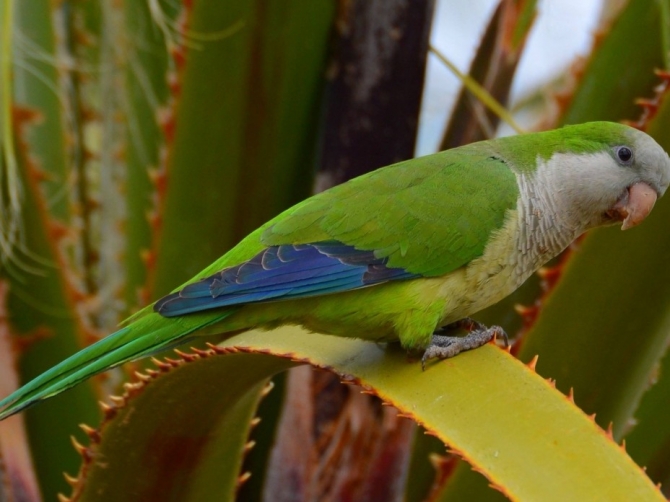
281 273
420 218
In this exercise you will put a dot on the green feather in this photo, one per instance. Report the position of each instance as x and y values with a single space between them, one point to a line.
411 212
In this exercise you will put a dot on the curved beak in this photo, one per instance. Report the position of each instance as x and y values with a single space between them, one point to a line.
634 205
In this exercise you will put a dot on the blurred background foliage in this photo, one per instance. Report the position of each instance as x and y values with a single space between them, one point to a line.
142 139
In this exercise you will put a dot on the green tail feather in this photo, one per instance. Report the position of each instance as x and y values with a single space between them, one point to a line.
143 338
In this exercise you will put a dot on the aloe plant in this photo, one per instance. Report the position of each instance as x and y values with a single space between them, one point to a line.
140 140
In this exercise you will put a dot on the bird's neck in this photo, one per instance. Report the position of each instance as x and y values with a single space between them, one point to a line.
545 227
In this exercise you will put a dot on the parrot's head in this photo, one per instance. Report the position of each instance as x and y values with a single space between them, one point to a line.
642 170
609 173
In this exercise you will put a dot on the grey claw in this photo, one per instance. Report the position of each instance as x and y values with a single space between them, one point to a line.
444 347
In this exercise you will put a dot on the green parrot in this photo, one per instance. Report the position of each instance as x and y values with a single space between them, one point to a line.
407 252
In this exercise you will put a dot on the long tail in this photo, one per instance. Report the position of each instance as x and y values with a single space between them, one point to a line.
142 338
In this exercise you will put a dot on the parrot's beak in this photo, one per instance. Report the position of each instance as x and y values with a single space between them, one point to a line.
634 205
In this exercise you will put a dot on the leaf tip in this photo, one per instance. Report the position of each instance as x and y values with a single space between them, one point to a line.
80 448
142 377
185 356
243 478
93 434
71 480
267 389
108 411
118 401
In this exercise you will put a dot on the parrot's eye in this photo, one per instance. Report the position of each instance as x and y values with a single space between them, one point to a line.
625 154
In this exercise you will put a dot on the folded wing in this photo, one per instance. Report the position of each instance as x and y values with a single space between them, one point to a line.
284 272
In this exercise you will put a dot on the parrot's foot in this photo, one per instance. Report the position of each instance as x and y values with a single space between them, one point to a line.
443 346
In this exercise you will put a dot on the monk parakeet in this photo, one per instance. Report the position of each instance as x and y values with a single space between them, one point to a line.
404 253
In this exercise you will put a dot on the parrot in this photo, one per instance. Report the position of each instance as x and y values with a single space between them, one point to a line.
408 252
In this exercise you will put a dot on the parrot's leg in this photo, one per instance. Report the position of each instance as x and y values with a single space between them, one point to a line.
443 346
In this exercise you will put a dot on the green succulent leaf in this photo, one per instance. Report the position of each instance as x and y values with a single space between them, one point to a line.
493 410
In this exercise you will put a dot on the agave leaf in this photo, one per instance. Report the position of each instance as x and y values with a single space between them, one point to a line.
244 125
186 435
619 71
45 300
175 419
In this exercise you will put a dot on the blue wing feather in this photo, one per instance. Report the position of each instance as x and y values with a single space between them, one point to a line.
282 273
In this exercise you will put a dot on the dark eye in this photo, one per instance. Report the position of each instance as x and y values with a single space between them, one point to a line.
624 153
